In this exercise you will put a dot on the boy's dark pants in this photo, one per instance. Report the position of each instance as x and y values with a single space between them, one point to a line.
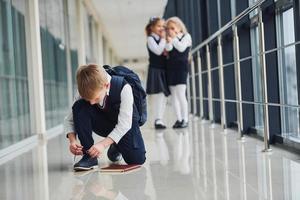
88 118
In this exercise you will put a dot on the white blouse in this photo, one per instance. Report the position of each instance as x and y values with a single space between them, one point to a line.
157 49
178 44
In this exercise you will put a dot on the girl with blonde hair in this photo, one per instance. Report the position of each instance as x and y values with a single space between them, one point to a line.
178 46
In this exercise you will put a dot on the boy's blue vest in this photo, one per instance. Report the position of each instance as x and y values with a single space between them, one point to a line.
113 101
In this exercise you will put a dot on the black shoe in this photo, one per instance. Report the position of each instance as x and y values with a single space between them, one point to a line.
184 124
159 125
177 124
86 163
113 154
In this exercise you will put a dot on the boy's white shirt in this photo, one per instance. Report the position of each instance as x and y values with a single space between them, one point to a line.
124 118
181 46
157 49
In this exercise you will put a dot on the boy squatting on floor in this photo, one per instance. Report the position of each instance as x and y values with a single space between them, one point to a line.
110 113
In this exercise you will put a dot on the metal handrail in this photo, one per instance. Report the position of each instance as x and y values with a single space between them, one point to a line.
261 54
228 25
237 69
253 56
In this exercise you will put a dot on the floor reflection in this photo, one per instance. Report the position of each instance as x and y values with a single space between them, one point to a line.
201 162
94 185
40 166
172 173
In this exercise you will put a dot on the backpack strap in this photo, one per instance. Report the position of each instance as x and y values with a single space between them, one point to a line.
117 83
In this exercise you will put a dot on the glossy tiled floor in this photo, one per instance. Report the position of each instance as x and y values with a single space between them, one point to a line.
199 163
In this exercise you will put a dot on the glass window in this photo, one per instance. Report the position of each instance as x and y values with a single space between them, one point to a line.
94 38
90 38
254 12
54 61
256 72
287 73
104 49
219 13
233 8
73 40
257 85
14 97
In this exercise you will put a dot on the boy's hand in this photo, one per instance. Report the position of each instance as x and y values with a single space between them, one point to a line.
75 148
96 150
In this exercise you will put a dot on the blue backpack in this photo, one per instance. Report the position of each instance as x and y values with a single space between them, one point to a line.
138 91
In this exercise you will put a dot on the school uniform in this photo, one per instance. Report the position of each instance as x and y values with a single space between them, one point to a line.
156 81
177 73
116 117
177 62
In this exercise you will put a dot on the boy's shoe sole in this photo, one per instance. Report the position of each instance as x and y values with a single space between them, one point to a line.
85 168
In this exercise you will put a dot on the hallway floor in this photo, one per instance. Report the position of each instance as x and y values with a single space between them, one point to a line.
198 163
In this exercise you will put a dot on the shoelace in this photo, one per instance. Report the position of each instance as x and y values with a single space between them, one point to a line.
83 151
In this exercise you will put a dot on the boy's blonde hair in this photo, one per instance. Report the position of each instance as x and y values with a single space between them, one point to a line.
90 79
178 22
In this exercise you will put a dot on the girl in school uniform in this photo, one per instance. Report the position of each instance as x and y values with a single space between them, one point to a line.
178 46
156 81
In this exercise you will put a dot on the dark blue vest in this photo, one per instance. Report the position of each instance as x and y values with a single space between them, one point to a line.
178 60
156 61
112 102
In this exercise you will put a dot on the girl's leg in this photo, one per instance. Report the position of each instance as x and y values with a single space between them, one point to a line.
160 100
175 102
181 93
160 104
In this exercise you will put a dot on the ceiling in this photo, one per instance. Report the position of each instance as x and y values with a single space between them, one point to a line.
124 21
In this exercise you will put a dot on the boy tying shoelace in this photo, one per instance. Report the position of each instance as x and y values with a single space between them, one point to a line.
107 107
